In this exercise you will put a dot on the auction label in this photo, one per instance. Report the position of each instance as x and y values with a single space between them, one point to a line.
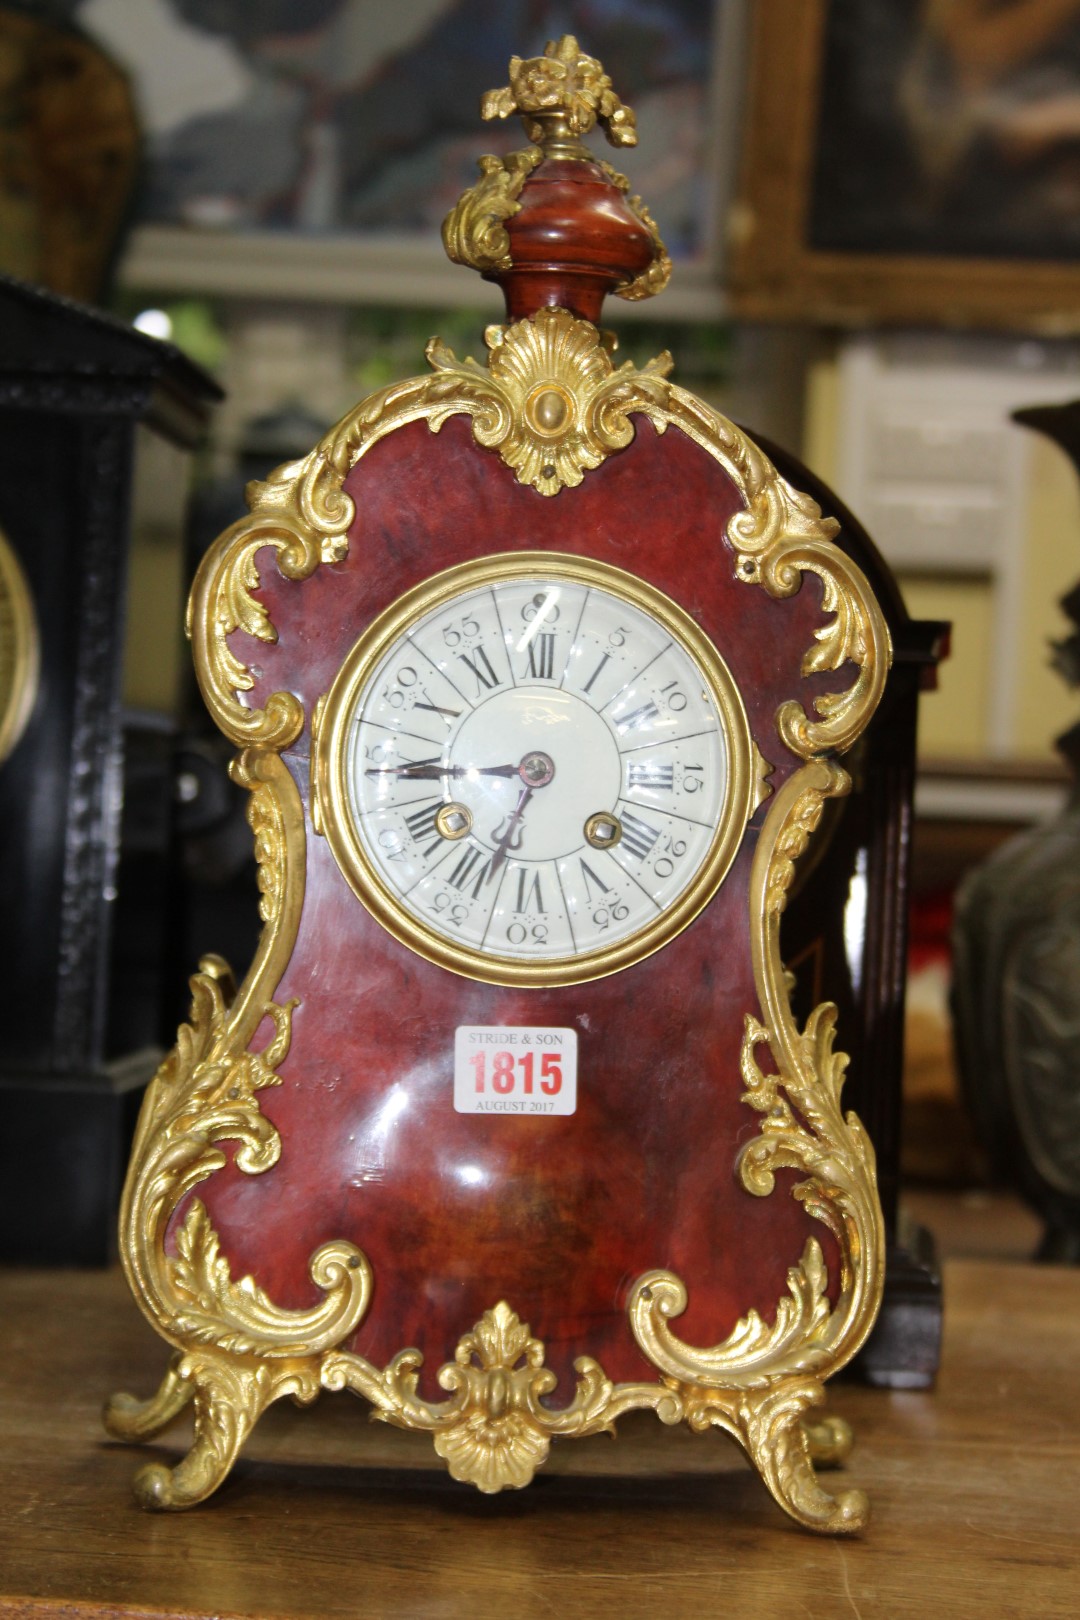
510 1069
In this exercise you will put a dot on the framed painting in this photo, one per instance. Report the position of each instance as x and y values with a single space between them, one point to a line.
914 163
312 148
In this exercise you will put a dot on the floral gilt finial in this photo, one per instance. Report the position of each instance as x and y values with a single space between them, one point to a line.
561 96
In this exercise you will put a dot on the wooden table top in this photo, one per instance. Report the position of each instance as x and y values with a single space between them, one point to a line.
975 1493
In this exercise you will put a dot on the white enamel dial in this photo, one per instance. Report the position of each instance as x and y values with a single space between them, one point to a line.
537 769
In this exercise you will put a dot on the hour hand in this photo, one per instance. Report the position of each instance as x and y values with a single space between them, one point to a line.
423 770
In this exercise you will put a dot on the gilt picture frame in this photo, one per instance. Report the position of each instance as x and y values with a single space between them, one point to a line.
909 165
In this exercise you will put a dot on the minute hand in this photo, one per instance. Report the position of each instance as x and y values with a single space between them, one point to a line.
430 770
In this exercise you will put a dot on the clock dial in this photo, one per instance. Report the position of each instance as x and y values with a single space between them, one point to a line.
534 769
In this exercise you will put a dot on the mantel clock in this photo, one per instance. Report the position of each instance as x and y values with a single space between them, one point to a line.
538 673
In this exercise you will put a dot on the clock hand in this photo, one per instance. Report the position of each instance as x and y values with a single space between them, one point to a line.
425 769
430 770
536 770
511 838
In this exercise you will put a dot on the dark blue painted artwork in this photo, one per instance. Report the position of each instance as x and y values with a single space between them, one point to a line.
362 115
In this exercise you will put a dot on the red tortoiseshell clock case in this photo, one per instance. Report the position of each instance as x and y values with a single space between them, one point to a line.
314 1114
567 1211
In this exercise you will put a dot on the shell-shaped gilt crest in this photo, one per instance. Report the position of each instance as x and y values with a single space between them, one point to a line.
550 401
494 1452
499 1439
551 368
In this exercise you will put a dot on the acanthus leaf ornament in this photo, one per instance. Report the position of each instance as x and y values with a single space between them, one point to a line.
303 513
497 1427
560 96
474 231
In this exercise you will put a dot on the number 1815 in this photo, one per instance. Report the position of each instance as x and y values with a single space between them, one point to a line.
504 1072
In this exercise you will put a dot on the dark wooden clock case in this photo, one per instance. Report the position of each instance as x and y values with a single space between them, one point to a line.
74 386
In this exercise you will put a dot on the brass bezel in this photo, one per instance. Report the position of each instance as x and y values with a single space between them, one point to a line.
364 878
20 657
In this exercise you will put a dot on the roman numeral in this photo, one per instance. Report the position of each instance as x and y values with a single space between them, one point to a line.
637 835
649 775
529 897
589 683
589 875
470 871
542 656
485 675
421 825
638 718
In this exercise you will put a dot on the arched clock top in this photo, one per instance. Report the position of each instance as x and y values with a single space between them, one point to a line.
553 406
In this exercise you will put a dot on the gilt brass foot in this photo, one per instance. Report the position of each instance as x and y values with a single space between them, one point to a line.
829 1440
128 1418
784 1449
769 1425
229 1396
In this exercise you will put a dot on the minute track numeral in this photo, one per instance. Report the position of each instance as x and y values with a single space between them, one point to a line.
637 835
649 775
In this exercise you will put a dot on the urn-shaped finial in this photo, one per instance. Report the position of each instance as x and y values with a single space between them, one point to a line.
553 225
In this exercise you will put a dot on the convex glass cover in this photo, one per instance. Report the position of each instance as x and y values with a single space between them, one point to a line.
534 769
